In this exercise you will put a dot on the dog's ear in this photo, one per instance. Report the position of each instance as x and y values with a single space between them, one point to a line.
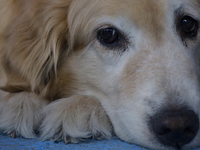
35 41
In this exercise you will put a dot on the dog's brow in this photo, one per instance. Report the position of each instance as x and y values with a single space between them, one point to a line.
153 22
179 11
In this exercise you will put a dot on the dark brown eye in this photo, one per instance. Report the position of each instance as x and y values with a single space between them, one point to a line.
189 27
108 36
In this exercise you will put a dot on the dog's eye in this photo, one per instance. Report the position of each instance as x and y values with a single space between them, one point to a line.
108 36
189 27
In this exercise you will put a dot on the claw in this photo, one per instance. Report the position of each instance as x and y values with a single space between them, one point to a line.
13 134
67 140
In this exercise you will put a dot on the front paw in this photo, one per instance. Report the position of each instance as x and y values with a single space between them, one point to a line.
75 118
20 114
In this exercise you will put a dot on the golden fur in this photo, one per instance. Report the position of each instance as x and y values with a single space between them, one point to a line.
56 77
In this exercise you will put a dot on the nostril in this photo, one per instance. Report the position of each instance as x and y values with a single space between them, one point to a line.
175 128
163 131
189 129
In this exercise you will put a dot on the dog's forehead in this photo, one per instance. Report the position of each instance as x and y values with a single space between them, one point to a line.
150 16
87 15
140 12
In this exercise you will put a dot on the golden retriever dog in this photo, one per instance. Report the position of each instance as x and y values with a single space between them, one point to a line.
77 69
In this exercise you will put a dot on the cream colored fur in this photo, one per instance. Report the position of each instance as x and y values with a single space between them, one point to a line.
92 120
56 76
20 114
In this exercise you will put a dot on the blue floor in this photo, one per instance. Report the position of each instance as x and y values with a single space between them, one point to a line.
8 143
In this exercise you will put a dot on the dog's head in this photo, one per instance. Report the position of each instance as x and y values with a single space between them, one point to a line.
139 58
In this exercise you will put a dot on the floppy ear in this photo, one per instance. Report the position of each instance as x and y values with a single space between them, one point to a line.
36 40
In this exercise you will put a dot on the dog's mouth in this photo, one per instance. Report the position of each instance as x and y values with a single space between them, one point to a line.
175 128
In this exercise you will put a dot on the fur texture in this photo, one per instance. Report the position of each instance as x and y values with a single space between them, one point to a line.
59 73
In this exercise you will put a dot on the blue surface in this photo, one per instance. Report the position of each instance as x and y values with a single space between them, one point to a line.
8 143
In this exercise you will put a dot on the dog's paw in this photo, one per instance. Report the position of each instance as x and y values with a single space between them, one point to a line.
20 114
74 119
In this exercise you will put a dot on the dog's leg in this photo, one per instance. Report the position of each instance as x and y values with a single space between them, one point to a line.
20 114
75 118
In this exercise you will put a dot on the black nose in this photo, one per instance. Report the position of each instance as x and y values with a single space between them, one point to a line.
175 128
